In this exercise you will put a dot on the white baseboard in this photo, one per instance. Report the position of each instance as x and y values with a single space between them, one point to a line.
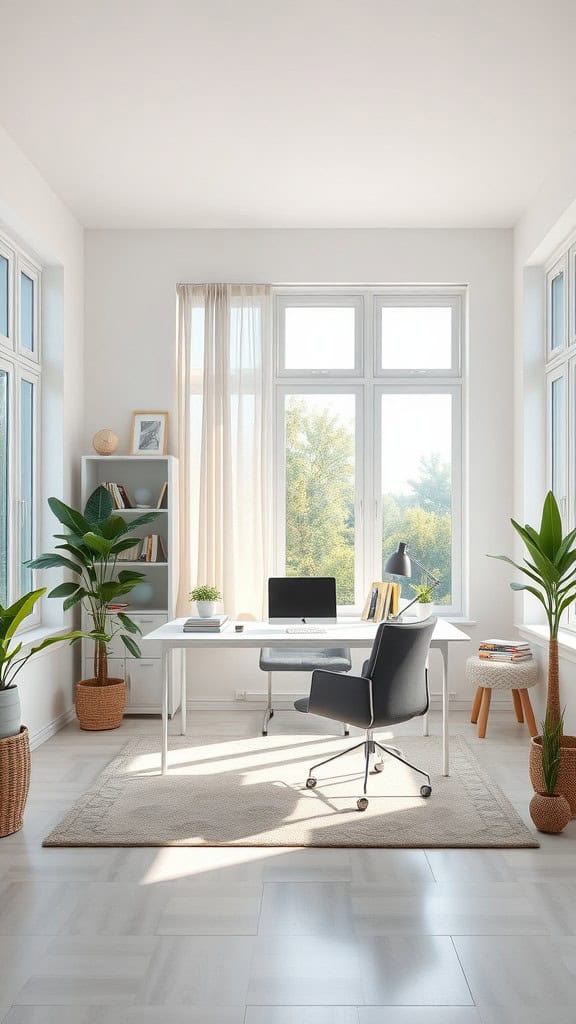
41 735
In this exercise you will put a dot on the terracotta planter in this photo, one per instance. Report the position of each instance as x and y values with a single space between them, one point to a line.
100 707
550 813
566 784
14 781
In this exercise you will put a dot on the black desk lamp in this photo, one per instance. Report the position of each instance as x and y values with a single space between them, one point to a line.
399 564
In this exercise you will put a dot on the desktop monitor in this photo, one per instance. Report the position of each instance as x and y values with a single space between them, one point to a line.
302 599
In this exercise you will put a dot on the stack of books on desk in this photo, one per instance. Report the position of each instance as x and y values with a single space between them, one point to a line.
196 624
504 650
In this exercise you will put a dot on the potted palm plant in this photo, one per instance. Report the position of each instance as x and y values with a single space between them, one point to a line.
551 570
89 550
549 810
14 745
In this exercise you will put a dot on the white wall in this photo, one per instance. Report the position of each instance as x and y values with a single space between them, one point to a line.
32 214
549 220
129 361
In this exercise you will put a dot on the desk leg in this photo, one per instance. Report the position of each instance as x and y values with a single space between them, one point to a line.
165 663
183 681
445 726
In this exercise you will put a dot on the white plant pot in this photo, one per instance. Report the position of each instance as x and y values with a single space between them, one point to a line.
206 609
424 611
10 713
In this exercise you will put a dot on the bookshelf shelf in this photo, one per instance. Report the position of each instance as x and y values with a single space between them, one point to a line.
155 601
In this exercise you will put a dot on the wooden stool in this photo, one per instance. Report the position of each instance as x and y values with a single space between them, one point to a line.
488 675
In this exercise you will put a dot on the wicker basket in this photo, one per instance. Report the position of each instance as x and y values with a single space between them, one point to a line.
550 813
100 706
14 781
566 783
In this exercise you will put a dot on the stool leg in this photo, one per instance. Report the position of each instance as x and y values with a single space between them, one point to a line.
476 705
517 706
528 712
484 711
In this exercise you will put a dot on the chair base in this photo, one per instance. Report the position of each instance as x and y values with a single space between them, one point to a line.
370 745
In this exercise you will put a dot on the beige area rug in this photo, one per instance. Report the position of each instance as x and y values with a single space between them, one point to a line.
251 792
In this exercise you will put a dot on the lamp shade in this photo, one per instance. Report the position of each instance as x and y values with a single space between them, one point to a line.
399 564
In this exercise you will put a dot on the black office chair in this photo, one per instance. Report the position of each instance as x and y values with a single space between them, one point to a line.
393 688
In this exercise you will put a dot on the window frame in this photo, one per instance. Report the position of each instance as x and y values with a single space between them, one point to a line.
560 266
318 300
369 386
22 365
422 300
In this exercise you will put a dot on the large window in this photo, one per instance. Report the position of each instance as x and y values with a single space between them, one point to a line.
368 398
20 342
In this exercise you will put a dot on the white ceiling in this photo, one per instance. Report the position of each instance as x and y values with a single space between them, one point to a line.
290 113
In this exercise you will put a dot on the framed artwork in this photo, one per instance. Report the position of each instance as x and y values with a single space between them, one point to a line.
149 433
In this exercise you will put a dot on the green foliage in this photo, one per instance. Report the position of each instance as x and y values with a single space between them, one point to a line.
551 565
10 619
552 732
92 543
205 593
424 592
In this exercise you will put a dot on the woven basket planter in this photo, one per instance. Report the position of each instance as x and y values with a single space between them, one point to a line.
550 813
566 783
100 707
14 781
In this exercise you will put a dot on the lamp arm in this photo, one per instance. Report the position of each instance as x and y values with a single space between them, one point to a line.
424 569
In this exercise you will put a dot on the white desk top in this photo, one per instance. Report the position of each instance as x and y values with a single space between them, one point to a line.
347 632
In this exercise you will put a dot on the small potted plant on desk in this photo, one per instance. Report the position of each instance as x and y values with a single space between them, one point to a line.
424 603
206 598
91 546
14 744
549 810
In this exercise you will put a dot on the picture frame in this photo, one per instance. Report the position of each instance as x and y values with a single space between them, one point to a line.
149 433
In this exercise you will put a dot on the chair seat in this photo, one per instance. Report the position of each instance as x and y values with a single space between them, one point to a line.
289 659
302 704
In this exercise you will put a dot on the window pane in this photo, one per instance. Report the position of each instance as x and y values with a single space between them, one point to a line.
3 487
417 485
320 489
557 311
558 439
416 337
26 482
319 337
4 280
26 312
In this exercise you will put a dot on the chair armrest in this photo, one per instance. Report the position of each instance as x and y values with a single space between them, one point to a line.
344 698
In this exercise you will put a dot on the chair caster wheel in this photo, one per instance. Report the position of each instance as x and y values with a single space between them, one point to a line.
379 766
311 782
362 803
264 733
425 791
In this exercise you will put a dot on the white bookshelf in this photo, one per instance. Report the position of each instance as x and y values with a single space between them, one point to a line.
143 675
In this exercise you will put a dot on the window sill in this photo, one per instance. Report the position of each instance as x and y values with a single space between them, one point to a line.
30 637
539 636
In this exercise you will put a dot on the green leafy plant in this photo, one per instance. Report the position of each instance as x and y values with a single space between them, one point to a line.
552 733
10 647
92 544
424 592
205 593
551 568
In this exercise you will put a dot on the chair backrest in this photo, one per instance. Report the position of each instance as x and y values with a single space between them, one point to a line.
397 669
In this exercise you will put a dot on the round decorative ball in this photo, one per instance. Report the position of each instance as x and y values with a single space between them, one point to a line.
143 497
105 442
142 593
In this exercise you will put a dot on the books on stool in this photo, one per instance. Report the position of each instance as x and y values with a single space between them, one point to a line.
504 650
197 624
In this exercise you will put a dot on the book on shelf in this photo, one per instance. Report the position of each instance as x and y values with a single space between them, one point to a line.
132 554
152 549
163 496
118 494
196 624
117 606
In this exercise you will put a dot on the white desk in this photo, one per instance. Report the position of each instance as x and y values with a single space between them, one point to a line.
347 633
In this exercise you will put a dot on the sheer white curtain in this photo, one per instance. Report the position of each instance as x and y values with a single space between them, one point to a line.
225 442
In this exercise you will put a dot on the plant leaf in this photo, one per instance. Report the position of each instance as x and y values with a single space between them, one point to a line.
52 561
98 544
550 527
128 624
112 527
64 590
127 575
99 507
131 645
133 524
13 616
68 516
74 599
